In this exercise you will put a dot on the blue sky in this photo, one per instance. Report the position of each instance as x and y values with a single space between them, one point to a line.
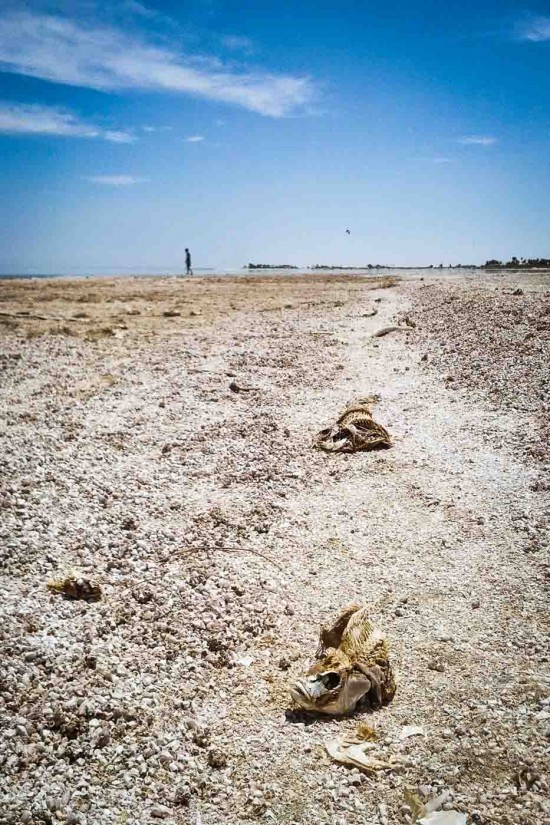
261 132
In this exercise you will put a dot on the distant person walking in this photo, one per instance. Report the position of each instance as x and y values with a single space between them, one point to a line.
188 262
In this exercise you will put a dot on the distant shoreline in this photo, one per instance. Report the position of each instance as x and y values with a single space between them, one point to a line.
212 272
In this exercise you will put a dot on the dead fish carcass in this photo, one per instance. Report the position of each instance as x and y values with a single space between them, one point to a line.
76 586
354 430
352 668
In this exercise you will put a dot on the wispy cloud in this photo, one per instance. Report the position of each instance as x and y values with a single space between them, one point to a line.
442 160
194 139
115 180
118 137
148 128
61 50
139 9
34 119
238 43
477 140
535 29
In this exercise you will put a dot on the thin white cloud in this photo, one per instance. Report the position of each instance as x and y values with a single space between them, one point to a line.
237 43
148 128
536 30
119 137
194 139
477 140
139 9
34 119
115 180
65 51
442 160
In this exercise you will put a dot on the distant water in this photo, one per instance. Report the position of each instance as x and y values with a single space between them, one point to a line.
407 273
210 271
111 272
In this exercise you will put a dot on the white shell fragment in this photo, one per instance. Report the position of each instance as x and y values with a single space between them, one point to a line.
444 818
245 661
411 730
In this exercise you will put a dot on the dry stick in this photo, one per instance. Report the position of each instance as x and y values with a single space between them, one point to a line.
208 547
234 387
301 304
386 330
30 317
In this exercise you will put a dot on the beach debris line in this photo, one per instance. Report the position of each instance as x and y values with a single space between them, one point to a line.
352 668
75 586
354 430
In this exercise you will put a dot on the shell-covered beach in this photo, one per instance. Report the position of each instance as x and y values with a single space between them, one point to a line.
157 438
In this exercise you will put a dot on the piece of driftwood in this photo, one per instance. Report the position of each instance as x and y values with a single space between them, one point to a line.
25 315
234 387
387 330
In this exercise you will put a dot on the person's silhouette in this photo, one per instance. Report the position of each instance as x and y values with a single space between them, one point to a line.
188 262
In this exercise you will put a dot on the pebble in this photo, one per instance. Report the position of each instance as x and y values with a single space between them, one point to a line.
160 811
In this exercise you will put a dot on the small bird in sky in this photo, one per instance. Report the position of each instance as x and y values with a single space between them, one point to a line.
348 232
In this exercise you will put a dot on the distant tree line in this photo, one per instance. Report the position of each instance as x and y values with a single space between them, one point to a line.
513 263
331 266
493 263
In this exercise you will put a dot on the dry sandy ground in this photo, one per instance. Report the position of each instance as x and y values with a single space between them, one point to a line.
221 539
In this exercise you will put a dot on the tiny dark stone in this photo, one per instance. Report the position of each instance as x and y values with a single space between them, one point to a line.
217 759
182 797
214 644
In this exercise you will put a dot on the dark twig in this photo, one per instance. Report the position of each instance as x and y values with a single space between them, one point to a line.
214 548
386 330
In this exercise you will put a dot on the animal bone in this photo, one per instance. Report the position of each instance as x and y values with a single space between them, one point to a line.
352 667
355 755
